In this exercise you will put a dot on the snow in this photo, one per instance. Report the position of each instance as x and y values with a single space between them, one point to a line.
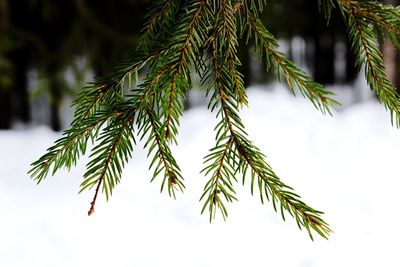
345 165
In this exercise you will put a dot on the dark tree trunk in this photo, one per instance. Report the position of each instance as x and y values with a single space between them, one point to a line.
324 58
19 88
391 57
390 61
5 98
55 117
5 109
243 53
351 69
55 96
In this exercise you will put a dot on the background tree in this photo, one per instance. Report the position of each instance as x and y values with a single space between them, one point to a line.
5 67
391 55
48 36
103 32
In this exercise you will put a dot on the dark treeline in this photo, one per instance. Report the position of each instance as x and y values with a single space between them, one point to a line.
48 35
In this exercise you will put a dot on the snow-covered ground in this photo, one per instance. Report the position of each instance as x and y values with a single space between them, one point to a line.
346 165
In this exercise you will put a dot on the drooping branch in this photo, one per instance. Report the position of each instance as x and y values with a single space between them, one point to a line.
234 152
365 44
295 78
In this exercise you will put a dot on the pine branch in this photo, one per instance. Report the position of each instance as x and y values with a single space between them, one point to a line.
221 157
220 181
228 33
203 35
68 149
267 46
114 148
255 6
109 157
174 110
237 153
191 36
326 6
109 91
172 84
150 126
159 20
91 113
365 44
163 160
385 17
276 191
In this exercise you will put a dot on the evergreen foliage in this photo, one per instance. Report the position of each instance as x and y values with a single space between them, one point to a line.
202 35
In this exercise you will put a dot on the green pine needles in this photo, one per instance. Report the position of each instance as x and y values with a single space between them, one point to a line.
202 36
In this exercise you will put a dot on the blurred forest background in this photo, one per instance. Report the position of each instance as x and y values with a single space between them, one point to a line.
50 49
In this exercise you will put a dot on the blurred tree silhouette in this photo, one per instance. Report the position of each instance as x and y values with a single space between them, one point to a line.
391 55
320 38
5 67
48 35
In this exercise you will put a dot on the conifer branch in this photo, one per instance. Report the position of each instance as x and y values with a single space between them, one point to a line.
365 44
114 149
229 33
238 153
188 50
255 6
109 158
221 156
220 181
267 46
68 149
162 159
276 191
385 17
149 123
172 112
203 34
88 118
326 6
159 17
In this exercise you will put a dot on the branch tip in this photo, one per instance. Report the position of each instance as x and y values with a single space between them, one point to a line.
91 210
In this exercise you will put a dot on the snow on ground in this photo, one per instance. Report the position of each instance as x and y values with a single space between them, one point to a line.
346 165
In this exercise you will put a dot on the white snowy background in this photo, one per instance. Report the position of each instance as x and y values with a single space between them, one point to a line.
346 165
